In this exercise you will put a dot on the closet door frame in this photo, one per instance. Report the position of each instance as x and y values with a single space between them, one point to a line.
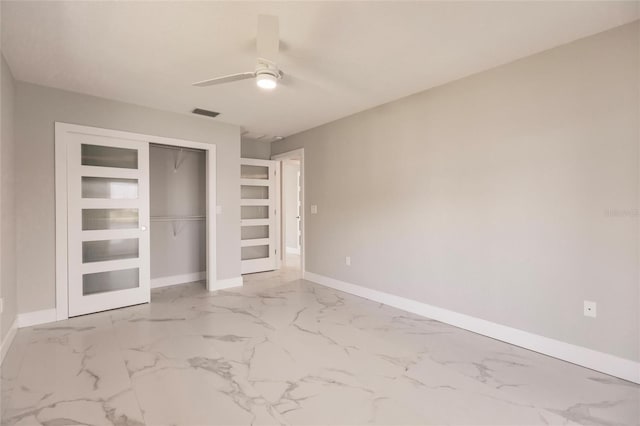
63 133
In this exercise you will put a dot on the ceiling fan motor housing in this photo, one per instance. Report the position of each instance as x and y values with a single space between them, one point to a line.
267 75
265 67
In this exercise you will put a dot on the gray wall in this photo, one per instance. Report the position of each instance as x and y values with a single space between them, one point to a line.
255 149
36 110
177 192
493 195
8 289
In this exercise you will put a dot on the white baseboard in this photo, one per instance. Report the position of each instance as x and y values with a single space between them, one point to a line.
293 250
37 317
8 340
599 361
227 283
45 316
178 279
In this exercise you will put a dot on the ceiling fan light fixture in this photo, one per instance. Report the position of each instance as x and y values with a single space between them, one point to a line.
266 81
266 72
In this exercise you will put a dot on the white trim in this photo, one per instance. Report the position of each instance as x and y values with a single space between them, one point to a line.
599 361
254 162
296 154
178 279
261 264
255 242
37 317
293 250
255 202
212 218
62 303
8 340
62 278
254 222
254 182
229 283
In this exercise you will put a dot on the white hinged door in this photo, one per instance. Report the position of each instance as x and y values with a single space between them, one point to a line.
258 215
108 222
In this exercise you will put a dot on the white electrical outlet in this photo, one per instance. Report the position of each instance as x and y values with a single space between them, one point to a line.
1 305
347 260
590 309
218 209
314 209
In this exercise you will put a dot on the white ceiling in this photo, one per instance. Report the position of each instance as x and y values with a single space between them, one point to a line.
339 57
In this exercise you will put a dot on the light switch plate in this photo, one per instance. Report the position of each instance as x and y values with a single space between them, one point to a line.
590 309
218 209
347 260
314 209
1 305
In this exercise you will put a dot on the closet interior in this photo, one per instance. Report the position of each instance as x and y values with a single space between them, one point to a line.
177 184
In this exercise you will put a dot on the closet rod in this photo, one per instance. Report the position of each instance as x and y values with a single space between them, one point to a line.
175 148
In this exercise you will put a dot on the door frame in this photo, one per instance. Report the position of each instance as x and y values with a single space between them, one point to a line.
296 154
62 261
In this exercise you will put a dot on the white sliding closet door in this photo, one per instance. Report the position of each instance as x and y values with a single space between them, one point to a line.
259 215
108 217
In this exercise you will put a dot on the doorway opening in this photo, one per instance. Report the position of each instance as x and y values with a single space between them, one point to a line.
291 231
177 205
292 235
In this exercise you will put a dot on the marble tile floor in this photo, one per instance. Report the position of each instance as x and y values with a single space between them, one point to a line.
282 350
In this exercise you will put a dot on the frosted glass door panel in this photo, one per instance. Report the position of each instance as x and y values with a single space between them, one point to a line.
100 219
254 212
250 192
254 172
254 232
109 188
109 156
105 250
255 252
102 282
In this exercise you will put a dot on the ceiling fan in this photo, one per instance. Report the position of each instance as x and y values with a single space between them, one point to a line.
267 73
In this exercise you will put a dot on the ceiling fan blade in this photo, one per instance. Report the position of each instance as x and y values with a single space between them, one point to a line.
225 79
268 38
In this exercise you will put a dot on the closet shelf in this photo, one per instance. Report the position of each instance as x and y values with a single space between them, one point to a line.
175 218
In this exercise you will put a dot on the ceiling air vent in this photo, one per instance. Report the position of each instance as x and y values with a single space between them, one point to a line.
205 112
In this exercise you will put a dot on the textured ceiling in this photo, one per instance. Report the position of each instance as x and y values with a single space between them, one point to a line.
339 57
